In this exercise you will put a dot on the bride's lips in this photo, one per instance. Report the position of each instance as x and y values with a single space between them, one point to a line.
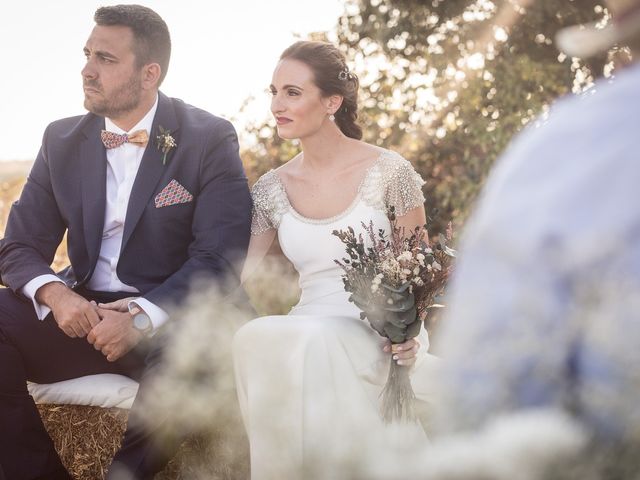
283 120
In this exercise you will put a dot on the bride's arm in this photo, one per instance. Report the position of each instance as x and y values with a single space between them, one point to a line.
415 217
258 247
403 190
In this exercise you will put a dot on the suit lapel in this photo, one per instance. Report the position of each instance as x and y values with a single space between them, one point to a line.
93 158
151 167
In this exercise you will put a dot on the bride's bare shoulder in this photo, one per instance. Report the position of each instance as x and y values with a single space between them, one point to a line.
289 168
363 154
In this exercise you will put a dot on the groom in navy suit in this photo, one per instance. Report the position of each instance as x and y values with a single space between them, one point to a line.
152 195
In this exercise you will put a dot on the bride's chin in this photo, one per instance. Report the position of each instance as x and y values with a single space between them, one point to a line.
286 135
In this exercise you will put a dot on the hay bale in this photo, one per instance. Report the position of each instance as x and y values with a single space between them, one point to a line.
86 438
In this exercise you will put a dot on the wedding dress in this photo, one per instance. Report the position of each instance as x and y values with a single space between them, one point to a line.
309 382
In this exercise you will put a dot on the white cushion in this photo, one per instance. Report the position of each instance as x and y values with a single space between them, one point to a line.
103 390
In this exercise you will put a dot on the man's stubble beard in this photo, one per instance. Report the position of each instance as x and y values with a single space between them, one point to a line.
123 100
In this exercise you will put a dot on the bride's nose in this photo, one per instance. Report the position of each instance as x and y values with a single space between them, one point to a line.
276 105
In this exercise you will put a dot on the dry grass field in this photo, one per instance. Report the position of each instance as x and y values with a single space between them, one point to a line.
12 178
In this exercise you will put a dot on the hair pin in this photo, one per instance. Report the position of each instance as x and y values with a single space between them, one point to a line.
344 74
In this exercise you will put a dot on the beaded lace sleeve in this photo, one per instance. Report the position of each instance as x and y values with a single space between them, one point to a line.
269 203
403 188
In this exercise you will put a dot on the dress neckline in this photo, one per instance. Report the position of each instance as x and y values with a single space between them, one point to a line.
338 216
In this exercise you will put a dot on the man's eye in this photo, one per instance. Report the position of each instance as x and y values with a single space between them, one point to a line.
293 92
106 60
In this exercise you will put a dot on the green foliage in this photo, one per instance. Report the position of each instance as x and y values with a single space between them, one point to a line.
448 83
456 116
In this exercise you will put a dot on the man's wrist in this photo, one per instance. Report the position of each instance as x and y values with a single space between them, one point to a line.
48 293
140 320
157 315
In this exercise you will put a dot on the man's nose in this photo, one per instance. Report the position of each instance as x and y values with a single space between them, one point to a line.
88 71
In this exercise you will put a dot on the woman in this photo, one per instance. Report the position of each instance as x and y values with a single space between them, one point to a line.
309 382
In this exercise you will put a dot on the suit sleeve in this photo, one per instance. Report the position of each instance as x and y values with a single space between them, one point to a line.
221 222
34 229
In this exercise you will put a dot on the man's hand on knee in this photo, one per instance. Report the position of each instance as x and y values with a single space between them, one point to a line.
75 315
114 336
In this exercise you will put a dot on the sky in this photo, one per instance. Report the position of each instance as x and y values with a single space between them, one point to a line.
223 53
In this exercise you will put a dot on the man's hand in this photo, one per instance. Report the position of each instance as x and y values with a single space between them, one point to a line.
114 336
75 315
121 305
403 353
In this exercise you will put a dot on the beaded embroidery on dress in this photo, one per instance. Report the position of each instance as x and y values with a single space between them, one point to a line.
309 382
390 180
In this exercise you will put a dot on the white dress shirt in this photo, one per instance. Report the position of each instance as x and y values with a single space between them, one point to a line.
123 163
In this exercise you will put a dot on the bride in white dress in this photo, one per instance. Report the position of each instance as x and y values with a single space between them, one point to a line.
309 382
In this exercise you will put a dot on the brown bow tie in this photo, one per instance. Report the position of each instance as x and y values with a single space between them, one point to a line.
114 140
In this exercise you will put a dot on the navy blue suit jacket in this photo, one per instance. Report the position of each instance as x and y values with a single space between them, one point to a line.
163 249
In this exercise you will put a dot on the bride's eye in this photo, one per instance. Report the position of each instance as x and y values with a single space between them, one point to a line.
293 92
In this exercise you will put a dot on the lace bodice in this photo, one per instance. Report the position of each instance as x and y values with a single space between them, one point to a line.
389 181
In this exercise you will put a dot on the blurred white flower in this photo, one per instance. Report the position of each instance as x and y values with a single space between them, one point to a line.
523 446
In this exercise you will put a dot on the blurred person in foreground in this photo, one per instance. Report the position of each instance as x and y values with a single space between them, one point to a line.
152 195
309 382
545 303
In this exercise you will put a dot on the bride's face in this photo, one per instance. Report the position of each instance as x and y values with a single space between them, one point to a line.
297 103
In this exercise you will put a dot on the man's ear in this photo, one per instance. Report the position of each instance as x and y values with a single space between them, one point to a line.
151 75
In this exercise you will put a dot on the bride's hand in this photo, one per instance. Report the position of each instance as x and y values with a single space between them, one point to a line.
404 353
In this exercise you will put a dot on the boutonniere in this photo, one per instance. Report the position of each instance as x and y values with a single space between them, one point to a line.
165 142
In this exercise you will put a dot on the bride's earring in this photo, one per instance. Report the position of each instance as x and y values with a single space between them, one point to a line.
332 117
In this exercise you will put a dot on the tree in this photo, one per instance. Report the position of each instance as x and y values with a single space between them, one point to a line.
447 83
458 78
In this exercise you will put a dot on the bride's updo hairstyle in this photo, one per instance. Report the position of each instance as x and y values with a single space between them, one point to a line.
332 77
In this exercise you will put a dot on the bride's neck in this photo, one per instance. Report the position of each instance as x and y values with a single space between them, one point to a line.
324 148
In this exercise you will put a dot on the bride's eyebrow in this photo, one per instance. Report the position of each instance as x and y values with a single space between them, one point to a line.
284 87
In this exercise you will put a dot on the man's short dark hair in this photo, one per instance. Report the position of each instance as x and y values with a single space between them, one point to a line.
152 43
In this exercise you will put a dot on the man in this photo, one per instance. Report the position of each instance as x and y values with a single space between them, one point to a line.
545 305
152 195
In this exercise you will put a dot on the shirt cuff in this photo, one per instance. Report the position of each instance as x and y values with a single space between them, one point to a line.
157 315
32 286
